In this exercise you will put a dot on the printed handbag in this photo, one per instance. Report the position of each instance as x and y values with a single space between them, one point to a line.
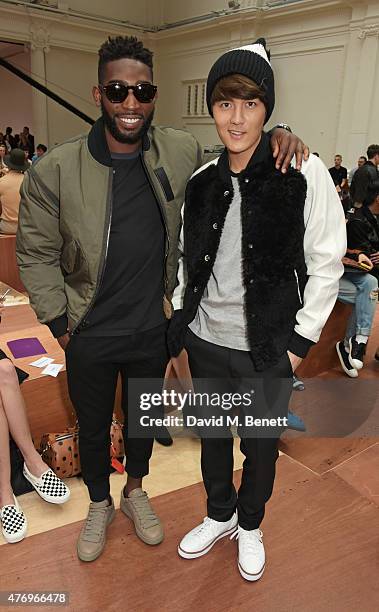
61 450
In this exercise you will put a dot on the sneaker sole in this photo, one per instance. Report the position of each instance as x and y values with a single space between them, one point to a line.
89 558
14 539
250 577
139 533
348 372
187 555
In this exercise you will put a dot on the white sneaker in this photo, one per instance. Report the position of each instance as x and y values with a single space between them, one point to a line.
200 540
48 486
251 553
14 523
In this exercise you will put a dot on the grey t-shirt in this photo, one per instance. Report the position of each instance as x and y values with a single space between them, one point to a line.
220 318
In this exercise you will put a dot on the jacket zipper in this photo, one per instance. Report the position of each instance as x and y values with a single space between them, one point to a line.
163 217
298 286
105 251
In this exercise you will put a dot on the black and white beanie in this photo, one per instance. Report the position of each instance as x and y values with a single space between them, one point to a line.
253 61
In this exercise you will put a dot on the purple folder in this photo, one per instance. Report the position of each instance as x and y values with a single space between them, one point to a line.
25 347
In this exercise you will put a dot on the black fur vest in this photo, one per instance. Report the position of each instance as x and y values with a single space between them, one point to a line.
274 270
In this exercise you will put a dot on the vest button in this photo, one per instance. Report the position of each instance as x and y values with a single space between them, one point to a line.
215 226
247 180
249 212
226 193
207 258
250 246
195 289
251 281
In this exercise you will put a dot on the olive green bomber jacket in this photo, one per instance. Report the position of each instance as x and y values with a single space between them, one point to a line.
65 217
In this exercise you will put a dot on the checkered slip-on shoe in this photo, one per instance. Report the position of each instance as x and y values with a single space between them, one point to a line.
13 522
51 488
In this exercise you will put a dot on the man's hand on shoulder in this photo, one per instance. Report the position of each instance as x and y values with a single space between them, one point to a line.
284 146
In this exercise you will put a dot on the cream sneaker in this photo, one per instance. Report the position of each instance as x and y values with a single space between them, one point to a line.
146 523
92 537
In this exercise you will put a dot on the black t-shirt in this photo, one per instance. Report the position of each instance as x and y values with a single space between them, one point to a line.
130 298
338 174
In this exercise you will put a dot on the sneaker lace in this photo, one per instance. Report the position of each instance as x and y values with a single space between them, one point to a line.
250 540
144 511
94 524
205 527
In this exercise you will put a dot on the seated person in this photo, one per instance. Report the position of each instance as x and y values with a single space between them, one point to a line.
361 290
358 286
363 227
40 150
3 152
10 191
13 421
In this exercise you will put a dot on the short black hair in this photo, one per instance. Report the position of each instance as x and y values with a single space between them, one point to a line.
42 146
363 157
372 151
122 47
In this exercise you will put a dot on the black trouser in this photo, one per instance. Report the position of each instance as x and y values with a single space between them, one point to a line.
234 368
93 366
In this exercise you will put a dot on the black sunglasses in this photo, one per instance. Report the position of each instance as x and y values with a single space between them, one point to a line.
118 92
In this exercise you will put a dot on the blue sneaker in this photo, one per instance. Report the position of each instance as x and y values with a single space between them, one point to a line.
297 384
295 422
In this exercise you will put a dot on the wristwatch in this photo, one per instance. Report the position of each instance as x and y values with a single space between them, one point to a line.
284 126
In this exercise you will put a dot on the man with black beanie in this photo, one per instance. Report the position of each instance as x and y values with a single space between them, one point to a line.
258 279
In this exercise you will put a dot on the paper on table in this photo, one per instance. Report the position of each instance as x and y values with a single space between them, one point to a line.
52 369
41 363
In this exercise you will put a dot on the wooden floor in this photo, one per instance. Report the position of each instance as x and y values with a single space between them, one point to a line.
321 529
320 534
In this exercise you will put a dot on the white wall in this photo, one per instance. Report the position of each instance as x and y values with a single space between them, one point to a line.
15 95
75 86
325 56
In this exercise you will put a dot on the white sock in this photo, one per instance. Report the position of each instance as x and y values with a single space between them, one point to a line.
361 339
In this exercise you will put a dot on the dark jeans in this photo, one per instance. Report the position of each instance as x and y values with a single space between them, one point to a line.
235 369
93 367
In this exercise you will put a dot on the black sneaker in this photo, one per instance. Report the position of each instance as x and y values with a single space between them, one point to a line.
357 353
344 357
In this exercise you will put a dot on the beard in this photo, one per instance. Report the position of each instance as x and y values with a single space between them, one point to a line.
111 124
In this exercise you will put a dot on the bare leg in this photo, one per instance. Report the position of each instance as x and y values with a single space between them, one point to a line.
14 412
6 494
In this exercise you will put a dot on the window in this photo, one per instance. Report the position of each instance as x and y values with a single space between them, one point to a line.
195 104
